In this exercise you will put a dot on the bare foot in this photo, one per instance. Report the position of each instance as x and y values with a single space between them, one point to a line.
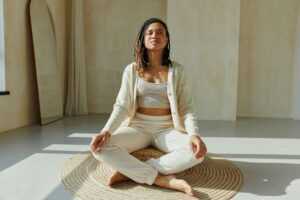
171 182
117 177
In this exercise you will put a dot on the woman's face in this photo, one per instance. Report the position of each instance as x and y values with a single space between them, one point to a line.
155 37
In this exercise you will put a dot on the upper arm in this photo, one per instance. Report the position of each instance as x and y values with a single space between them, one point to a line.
185 103
123 97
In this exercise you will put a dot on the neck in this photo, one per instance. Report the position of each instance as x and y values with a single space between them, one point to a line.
155 58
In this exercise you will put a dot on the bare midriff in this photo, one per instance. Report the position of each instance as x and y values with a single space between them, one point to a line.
154 111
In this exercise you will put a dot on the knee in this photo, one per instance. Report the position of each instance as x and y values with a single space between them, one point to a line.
199 160
191 158
97 156
104 152
100 156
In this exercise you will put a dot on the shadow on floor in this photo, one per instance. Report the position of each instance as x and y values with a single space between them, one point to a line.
268 179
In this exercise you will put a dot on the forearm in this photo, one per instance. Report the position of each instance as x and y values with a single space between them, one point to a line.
191 125
118 115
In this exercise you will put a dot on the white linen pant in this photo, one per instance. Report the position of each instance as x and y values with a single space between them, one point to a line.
144 131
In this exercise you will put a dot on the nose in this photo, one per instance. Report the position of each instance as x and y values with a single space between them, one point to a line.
154 34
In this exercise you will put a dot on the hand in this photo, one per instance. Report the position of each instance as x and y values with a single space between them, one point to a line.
98 141
197 146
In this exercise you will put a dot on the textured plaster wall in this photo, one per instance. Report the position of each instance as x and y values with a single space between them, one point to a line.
111 29
296 89
239 54
266 58
205 37
20 108
61 12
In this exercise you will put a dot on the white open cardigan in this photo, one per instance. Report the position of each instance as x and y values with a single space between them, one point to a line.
178 93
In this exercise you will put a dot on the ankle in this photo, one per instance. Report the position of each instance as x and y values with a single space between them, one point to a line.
159 180
163 180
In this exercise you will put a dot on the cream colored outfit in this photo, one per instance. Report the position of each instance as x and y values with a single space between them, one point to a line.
179 96
138 131
152 95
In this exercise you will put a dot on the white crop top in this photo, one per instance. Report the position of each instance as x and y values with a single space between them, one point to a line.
152 95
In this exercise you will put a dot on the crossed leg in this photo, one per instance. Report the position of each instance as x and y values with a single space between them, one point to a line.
116 154
164 181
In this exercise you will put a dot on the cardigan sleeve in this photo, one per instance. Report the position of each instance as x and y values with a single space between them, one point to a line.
185 104
121 107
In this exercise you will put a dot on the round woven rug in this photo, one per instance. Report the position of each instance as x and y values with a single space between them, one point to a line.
214 178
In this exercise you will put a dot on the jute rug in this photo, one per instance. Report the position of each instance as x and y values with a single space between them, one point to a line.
214 178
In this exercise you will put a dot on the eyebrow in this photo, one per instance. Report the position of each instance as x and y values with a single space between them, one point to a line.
159 29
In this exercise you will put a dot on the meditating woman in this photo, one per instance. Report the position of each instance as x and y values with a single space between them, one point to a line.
153 107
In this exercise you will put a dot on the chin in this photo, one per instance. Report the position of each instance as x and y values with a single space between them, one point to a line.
155 49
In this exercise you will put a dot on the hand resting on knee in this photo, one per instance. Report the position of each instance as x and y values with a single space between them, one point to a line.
98 141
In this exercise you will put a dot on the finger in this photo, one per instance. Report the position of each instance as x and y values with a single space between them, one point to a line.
92 147
99 145
203 147
200 154
197 146
195 149
94 143
191 146
102 143
202 151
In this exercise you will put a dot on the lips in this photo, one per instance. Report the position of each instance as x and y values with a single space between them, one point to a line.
154 41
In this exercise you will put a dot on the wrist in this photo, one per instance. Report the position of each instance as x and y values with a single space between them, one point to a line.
194 135
107 133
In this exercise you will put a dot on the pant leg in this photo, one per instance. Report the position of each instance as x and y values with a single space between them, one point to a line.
179 156
116 153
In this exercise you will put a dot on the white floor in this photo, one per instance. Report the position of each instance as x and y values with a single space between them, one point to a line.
266 150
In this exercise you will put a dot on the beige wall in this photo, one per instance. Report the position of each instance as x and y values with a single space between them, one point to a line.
296 89
20 107
61 12
111 28
204 37
236 64
266 60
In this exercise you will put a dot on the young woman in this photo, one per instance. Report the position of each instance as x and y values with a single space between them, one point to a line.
153 107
